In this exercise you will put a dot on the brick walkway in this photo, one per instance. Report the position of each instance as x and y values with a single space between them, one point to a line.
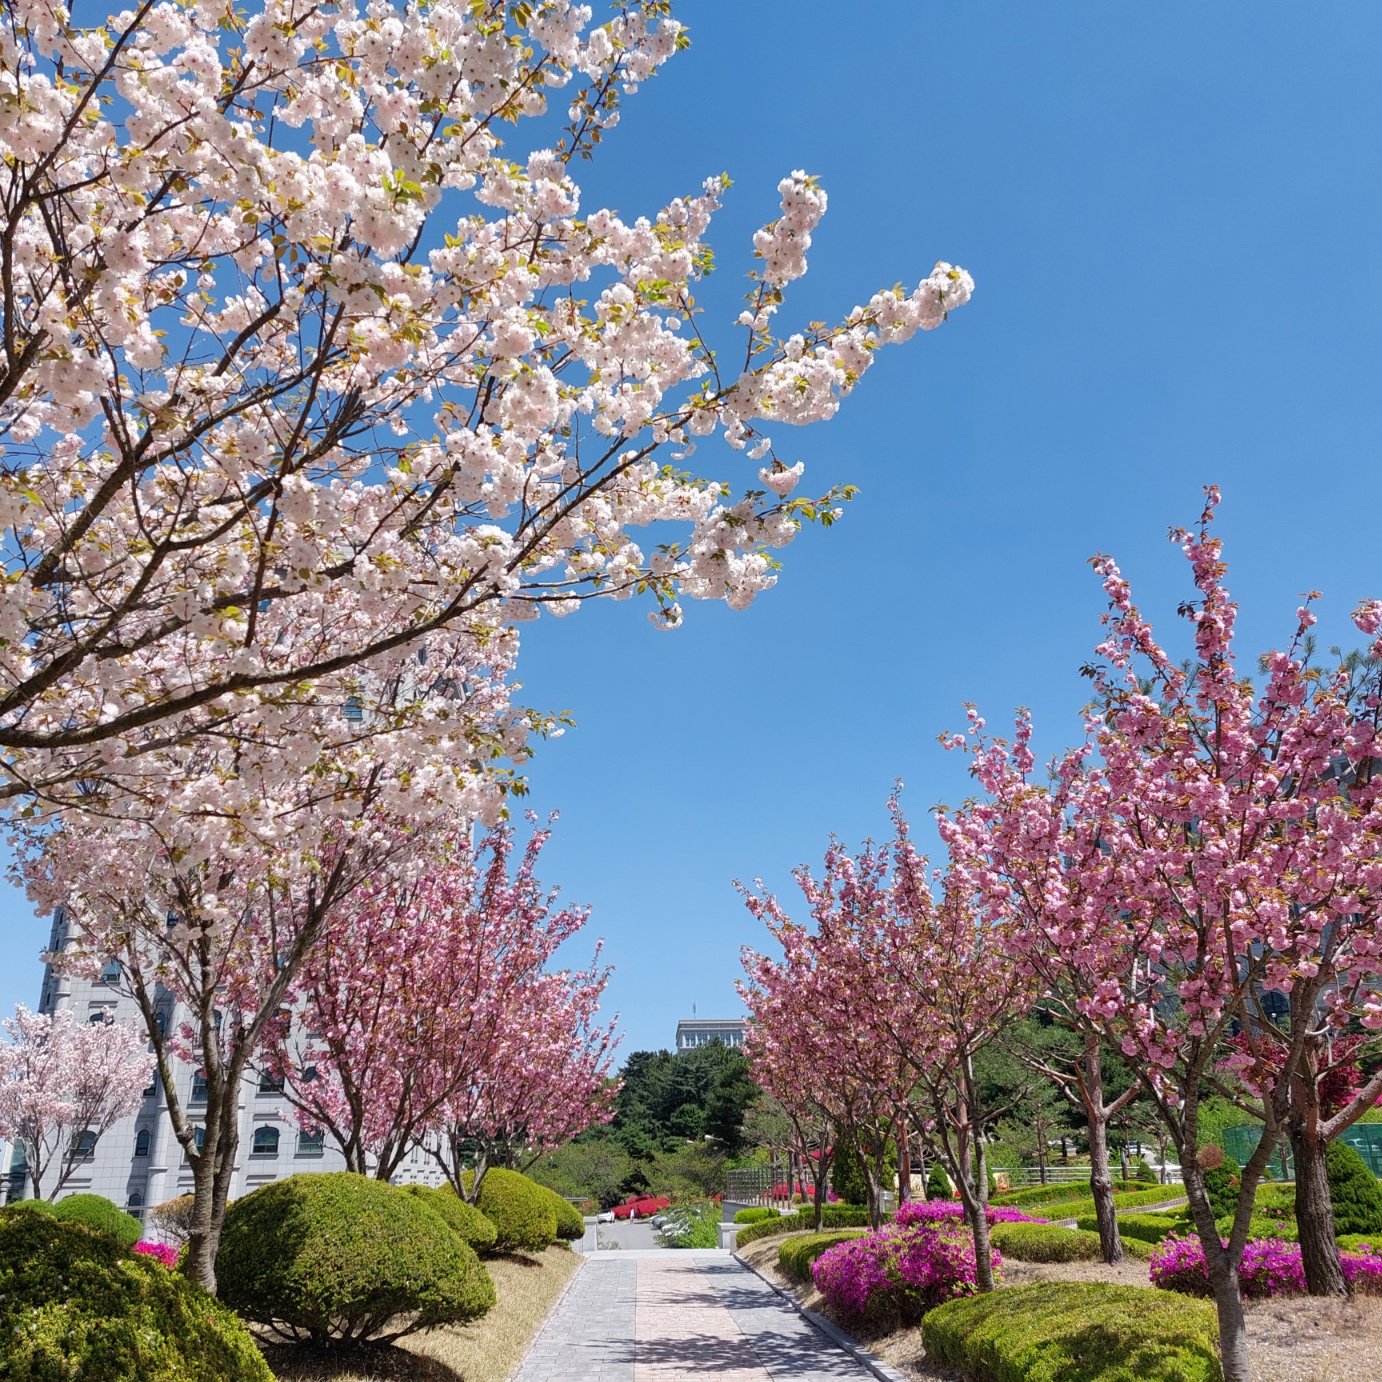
659 1317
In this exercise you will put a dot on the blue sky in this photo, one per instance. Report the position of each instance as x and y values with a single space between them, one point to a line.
1174 218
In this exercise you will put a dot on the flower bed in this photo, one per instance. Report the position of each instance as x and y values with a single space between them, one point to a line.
944 1211
160 1252
897 1274
1271 1267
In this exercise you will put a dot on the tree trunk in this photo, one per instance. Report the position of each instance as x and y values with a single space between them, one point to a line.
904 1166
1233 1328
1324 1276
1041 1152
1100 1182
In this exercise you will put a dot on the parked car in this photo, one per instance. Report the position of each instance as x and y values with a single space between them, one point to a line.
642 1207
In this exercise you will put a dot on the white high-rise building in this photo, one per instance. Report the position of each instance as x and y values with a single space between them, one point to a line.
139 1162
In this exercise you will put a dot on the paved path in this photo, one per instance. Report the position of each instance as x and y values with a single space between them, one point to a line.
663 1316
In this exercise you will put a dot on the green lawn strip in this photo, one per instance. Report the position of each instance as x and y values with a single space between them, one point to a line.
1134 1199
1076 1332
1049 1194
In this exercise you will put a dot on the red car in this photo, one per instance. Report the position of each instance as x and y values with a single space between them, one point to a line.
642 1208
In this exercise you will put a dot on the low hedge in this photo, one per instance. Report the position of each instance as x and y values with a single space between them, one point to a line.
518 1209
1352 1242
1076 1332
833 1216
345 1258
95 1211
1049 1194
1126 1199
76 1307
755 1214
797 1254
464 1219
1051 1243
1148 1228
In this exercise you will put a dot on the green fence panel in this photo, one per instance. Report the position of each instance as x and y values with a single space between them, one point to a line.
1241 1142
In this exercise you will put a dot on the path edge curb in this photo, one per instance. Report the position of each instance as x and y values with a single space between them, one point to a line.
542 1323
832 1331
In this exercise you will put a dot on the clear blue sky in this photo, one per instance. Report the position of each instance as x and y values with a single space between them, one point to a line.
1173 217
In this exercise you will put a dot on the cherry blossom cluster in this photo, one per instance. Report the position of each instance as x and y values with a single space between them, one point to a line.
294 343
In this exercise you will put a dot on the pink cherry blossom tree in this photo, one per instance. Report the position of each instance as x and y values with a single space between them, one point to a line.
292 340
1204 849
61 1081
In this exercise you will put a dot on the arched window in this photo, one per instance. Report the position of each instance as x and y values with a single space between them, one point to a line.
161 1022
135 1204
141 1142
199 1087
265 1142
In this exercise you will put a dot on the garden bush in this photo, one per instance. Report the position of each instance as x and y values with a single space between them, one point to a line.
694 1224
1353 1191
1370 1243
1148 1228
338 1256
570 1224
1221 1179
797 1254
755 1214
463 1219
95 1211
832 1216
937 1183
1270 1267
518 1209
895 1275
1049 1194
1076 1332
76 1307
29 1207
1050 1243
933 1211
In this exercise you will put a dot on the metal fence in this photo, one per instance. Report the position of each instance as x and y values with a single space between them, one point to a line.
1241 1142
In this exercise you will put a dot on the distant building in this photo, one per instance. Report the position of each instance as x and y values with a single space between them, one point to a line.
701 1031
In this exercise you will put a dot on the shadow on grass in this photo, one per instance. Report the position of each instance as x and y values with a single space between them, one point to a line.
519 1259
366 1362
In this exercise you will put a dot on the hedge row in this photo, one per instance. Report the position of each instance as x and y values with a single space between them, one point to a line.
1147 1228
1051 1243
832 1216
1057 1331
1049 1194
756 1214
1131 1199
797 1254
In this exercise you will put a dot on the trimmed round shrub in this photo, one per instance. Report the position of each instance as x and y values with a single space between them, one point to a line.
570 1224
522 1215
29 1207
95 1211
75 1307
338 1256
1353 1191
463 1218
937 1183
1221 1180
1057 1331
755 1214
797 1254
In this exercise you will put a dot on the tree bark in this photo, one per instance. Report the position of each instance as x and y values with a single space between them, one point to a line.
1100 1181
1233 1327
1319 1252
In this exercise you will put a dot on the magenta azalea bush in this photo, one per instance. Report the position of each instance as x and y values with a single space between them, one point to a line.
1270 1267
898 1273
944 1211
161 1251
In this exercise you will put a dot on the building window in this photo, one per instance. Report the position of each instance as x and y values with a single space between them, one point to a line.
101 1012
270 1083
141 1142
161 1022
353 710
311 1143
151 1088
110 972
265 1142
84 1146
199 1087
135 1204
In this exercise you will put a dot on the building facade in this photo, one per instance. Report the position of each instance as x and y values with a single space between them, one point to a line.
139 1162
701 1031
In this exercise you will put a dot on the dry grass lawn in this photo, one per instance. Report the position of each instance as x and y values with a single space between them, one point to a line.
489 1350
1292 1338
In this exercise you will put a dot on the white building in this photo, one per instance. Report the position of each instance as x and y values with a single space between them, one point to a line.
701 1031
139 1163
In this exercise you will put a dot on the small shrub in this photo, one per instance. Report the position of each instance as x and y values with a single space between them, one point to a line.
463 1219
755 1214
695 1224
29 1207
1141 1171
797 1254
1222 1176
1353 1191
1148 1228
76 1307
95 1211
515 1205
1061 1330
895 1275
173 1219
160 1252
338 1256
937 1183
570 1225
1046 1243
832 1216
